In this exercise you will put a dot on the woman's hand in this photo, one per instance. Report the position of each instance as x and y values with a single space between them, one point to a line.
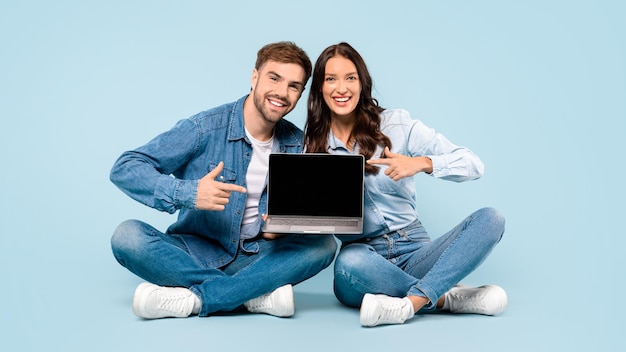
400 166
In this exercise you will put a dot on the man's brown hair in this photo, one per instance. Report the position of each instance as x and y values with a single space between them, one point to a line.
285 52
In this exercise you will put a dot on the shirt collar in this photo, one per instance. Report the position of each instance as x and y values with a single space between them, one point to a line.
335 143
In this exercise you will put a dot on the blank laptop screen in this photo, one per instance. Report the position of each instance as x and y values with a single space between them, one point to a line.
315 184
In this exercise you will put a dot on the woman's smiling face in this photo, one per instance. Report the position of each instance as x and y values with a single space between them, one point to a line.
341 88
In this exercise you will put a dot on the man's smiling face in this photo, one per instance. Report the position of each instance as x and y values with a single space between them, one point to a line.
276 89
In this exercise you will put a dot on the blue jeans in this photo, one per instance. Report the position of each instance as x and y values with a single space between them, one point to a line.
407 263
164 260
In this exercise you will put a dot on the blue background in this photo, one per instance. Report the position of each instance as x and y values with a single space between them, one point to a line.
535 88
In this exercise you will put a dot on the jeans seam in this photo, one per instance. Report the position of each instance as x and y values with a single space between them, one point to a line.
461 234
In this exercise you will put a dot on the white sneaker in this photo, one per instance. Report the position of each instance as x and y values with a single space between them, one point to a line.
382 309
152 301
278 302
487 299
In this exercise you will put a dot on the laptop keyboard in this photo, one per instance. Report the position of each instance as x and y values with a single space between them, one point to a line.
314 222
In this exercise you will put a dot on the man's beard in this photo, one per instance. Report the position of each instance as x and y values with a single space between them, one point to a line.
267 114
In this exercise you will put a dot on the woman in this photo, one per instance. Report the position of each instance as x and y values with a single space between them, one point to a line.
393 269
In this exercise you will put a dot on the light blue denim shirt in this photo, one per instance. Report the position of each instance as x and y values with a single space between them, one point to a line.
392 205
164 173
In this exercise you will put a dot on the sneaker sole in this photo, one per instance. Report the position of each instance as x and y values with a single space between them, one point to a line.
286 292
139 300
504 301
367 310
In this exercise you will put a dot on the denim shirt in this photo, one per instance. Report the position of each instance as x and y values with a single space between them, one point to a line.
392 205
164 173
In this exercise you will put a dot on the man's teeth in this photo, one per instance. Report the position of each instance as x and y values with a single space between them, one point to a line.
275 103
342 100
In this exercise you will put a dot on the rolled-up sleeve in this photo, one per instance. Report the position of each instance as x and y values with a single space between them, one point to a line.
146 173
450 161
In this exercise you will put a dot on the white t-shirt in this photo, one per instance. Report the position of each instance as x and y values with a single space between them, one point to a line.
256 176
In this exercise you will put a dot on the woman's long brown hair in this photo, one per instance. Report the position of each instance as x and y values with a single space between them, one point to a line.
366 132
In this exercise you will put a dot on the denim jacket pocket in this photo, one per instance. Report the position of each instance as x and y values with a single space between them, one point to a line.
227 175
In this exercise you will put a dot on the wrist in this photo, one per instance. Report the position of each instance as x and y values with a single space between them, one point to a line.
427 165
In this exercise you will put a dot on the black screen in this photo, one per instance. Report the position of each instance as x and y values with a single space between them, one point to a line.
316 184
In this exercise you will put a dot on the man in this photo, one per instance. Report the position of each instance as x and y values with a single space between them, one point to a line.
212 168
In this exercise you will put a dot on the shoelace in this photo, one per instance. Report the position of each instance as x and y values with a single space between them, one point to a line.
175 303
392 311
260 302
472 300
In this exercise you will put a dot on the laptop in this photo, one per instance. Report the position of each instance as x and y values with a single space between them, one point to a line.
315 193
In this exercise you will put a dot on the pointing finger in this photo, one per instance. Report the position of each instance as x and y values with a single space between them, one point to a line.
230 187
379 161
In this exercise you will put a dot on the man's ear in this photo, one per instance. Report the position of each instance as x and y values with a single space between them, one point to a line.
254 79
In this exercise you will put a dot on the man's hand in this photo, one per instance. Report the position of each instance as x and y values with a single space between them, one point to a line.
271 235
400 166
214 195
